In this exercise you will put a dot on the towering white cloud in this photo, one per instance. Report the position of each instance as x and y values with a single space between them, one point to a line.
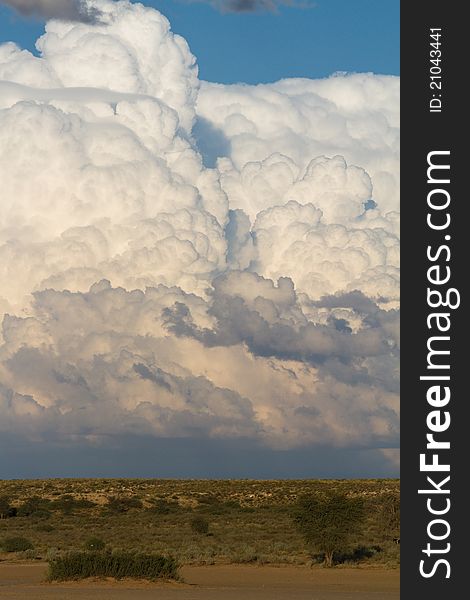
190 259
355 116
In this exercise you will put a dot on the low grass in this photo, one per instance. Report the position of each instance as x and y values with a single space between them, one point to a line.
119 564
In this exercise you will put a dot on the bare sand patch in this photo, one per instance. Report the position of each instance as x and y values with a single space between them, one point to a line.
219 582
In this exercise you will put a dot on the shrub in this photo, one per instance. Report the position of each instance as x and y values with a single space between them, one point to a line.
389 515
79 565
200 525
208 499
67 504
35 507
4 506
94 543
16 544
245 555
123 504
6 511
163 507
45 527
356 554
213 505
52 553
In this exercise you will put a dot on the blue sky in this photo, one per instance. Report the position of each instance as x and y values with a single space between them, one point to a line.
333 35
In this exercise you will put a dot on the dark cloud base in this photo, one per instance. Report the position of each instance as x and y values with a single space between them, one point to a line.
186 458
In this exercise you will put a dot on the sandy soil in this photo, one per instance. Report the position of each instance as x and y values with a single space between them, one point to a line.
231 582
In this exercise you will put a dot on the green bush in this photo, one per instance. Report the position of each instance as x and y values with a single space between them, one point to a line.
16 544
208 499
35 507
67 504
245 555
215 506
357 554
94 543
200 525
79 565
52 553
389 515
163 507
123 504
6 510
45 527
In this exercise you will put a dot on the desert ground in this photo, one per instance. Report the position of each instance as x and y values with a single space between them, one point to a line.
227 582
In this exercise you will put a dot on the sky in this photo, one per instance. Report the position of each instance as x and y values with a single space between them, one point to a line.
266 45
199 279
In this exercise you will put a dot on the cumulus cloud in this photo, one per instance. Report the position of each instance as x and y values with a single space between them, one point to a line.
294 240
355 116
69 10
187 260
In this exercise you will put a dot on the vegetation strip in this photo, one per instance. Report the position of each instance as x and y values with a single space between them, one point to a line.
204 522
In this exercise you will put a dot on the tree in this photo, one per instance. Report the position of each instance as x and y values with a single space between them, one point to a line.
329 523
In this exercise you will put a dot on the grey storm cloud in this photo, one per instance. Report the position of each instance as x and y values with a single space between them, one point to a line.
107 366
157 376
70 10
261 325
275 326
250 6
356 300
86 405
81 11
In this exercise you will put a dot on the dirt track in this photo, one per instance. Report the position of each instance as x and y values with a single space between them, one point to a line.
231 582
